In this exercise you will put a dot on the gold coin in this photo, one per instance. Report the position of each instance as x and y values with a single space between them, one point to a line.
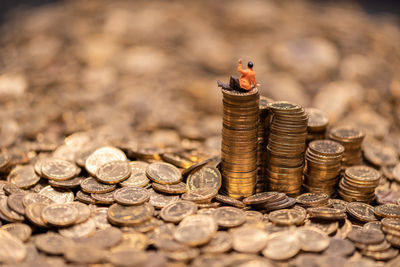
8 214
91 185
205 177
59 196
81 254
178 188
176 211
101 156
12 250
52 243
129 215
229 216
312 239
364 236
247 239
159 201
60 215
138 175
14 202
196 230
220 243
388 210
131 196
200 195
287 217
57 169
163 173
66 184
282 246
19 230
79 230
230 201
23 177
33 213
113 172
361 211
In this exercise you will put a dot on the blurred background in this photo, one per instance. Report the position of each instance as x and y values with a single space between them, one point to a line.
121 67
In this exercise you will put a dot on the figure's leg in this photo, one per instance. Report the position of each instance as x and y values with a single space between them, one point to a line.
234 83
223 85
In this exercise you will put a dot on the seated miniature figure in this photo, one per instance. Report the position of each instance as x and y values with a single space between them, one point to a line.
245 83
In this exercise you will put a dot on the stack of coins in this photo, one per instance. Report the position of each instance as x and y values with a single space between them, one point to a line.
323 164
358 184
351 138
239 142
263 128
317 123
286 146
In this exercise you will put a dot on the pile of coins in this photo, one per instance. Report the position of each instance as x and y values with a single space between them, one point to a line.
323 164
358 183
286 146
269 201
317 124
391 227
239 142
263 129
351 138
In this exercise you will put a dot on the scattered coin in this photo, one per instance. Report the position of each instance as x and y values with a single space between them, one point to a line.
201 195
138 175
205 177
113 172
229 217
60 214
23 177
282 246
176 211
364 236
248 239
12 250
178 188
220 243
53 243
361 211
90 185
19 230
129 215
312 239
388 210
195 230
101 156
57 169
230 201
163 173
131 196
286 217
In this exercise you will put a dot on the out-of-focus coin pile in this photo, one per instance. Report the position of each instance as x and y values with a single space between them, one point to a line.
111 123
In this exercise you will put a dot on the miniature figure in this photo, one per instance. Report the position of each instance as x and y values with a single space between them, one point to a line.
244 83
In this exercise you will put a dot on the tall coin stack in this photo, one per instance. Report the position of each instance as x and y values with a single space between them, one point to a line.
263 129
351 138
317 123
286 146
323 163
358 184
239 142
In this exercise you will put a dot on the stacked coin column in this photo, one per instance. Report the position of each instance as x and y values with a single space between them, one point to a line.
286 146
239 142
263 129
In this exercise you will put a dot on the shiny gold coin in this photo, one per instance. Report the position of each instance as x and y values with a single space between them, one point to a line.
286 217
178 188
57 195
312 239
58 169
113 172
101 156
200 195
66 184
163 173
60 215
23 177
205 177
388 210
129 215
312 199
131 196
195 230
361 211
91 185
229 216
176 211
230 201
260 198
282 246
159 200
33 213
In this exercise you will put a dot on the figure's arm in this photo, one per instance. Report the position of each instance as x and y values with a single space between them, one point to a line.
253 80
240 67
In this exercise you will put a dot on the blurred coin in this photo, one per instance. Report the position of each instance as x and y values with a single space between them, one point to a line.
131 196
163 173
113 172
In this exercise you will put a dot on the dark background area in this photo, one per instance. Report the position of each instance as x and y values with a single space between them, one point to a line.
371 6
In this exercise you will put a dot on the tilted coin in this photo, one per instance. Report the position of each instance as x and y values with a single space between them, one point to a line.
220 243
159 200
101 156
186 254
35 198
19 230
200 195
163 173
393 223
205 177
195 230
286 217
138 175
178 188
361 211
91 185
374 225
53 243
70 183
364 236
132 240
85 197
248 239
8 214
23 176
99 215
10 188
388 210
12 250
103 239
83 211
58 169
282 246
129 215
33 213
113 172
176 211
229 216
312 199
381 255
14 202
79 230
326 213
260 198
59 196
230 201
131 195
103 198
312 239
60 214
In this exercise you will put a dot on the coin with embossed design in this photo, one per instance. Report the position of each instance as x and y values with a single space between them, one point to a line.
195 230
101 156
176 211
60 214
113 172
361 211
129 215
287 217
91 185
229 216
131 196
178 188
312 239
58 169
138 175
23 176
205 177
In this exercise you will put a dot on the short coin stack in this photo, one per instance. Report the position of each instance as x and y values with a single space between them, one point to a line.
239 142
286 146
358 184
263 128
317 123
323 163
351 138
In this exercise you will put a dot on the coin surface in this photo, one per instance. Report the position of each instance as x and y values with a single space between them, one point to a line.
138 175
53 243
312 239
129 215
176 211
57 169
12 250
23 176
249 239
91 185
60 214
260 198
163 173
59 196
195 230
19 230
282 246
286 217
200 195
364 236
388 210
79 230
178 188
131 196
361 211
113 172
205 177
220 243
229 216
230 201
101 156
